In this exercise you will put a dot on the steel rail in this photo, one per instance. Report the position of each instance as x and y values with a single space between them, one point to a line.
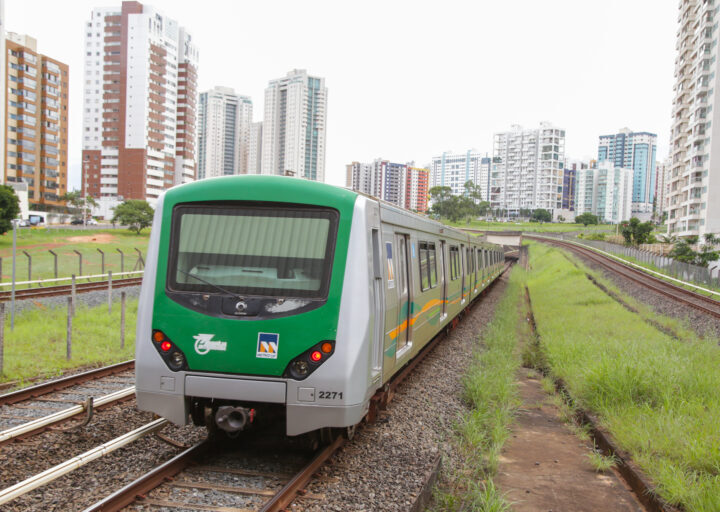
651 282
65 289
55 472
64 382
39 424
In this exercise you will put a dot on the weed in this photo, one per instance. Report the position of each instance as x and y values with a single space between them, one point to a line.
601 463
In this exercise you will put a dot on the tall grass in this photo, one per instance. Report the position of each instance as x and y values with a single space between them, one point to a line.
658 397
37 346
491 392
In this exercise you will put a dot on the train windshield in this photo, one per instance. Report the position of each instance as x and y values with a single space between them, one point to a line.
277 251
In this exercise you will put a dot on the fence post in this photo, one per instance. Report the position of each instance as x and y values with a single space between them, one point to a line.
109 291
140 261
72 293
0 269
68 354
55 265
122 320
122 261
2 337
29 267
102 261
79 261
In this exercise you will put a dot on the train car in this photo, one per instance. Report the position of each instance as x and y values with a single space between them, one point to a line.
271 297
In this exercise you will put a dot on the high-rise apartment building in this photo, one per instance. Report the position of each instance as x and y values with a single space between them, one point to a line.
572 166
400 184
139 104
224 120
3 60
36 108
293 131
255 148
529 173
636 151
605 191
695 170
455 169
416 188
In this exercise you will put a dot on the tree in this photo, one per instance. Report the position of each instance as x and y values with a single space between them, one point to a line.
84 204
542 215
9 208
683 251
587 218
635 232
135 213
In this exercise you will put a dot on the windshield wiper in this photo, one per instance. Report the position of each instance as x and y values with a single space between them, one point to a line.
189 274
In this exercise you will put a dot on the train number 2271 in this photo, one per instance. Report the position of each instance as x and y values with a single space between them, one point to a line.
330 395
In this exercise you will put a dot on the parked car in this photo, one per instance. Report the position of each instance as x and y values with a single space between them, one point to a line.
91 222
75 222
23 223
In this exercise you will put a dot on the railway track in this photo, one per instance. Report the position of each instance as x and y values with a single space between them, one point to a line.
53 291
695 300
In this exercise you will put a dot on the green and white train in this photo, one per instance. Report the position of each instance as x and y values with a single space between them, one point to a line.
270 297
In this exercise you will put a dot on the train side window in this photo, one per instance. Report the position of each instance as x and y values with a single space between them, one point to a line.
454 262
428 265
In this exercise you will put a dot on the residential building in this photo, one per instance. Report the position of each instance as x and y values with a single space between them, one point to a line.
569 182
605 191
224 120
139 104
661 186
694 178
455 169
3 59
636 151
36 123
255 148
293 138
400 184
529 174
416 189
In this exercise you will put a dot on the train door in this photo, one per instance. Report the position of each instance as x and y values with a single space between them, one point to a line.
463 271
443 264
379 303
402 242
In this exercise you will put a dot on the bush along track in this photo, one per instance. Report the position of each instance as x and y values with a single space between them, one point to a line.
655 397
490 390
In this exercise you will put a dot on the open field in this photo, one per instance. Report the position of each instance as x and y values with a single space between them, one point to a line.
530 226
656 395
37 242
37 346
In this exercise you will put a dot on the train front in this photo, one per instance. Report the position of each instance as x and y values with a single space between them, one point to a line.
238 315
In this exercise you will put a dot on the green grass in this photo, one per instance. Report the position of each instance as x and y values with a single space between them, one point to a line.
37 242
601 463
657 396
537 227
490 389
37 346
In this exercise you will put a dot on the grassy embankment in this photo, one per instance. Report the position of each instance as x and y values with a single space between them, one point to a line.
657 396
37 346
491 392
37 242
529 226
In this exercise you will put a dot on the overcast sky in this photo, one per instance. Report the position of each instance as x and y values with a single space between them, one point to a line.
408 80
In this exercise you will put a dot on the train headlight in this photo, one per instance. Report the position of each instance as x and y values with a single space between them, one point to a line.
307 362
171 354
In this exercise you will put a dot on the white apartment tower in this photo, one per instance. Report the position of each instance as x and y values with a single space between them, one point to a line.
293 132
139 104
529 171
605 191
455 169
224 120
694 178
255 148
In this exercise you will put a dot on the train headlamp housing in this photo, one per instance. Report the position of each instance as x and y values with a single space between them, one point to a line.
171 354
310 360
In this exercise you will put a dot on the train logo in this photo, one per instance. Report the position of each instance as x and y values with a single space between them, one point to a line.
204 344
267 346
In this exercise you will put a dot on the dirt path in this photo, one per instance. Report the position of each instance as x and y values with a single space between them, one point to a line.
544 466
